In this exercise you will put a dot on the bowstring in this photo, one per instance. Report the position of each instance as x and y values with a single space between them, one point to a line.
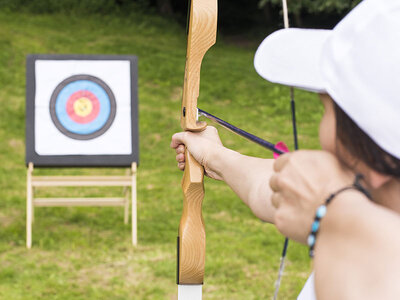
296 147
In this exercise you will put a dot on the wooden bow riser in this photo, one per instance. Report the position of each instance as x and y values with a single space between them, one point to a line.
192 237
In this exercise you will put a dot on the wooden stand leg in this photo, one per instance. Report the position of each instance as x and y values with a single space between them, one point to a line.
126 209
134 206
126 196
29 206
33 206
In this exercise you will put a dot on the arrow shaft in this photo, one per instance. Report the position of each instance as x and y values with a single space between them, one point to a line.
241 132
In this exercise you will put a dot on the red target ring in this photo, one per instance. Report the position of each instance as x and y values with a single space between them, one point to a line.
83 106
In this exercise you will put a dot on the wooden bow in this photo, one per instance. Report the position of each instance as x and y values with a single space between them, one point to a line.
202 32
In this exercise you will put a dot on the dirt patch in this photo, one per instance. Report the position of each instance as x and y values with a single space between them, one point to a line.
176 94
16 143
8 217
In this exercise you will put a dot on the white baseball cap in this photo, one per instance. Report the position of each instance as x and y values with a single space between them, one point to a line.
357 63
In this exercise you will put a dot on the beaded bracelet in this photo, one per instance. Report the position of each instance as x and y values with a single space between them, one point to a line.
321 211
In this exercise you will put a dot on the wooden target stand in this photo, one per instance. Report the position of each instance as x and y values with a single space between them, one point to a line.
127 181
54 141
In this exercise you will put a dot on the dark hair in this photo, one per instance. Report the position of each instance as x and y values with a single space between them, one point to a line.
362 147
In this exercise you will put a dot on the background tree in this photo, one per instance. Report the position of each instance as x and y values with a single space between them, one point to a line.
312 7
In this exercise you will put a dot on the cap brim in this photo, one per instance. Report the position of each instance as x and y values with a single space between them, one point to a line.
291 57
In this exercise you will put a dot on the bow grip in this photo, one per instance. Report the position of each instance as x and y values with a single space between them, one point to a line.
192 235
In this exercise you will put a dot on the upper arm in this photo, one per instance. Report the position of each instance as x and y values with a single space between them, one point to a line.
358 251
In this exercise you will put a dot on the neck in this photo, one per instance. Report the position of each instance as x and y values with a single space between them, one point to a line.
388 195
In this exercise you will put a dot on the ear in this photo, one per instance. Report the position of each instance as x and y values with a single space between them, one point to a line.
376 179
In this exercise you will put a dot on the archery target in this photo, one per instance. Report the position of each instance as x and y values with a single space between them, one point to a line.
83 107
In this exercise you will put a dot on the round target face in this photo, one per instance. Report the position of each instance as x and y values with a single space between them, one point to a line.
82 107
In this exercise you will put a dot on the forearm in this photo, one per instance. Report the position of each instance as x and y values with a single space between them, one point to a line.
249 178
357 251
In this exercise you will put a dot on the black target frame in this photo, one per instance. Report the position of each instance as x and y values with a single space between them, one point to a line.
79 160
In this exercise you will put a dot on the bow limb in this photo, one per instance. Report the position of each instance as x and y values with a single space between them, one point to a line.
192 238
202 35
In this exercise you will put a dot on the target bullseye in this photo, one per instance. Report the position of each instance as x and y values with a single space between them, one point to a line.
82 107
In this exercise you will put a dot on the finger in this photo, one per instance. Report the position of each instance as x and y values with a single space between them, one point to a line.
274 183
181 166
180 149
180 158
281 161
276 199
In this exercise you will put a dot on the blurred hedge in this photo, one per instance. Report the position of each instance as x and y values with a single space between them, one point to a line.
235 16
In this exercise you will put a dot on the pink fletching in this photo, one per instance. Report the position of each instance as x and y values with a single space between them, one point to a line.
281 146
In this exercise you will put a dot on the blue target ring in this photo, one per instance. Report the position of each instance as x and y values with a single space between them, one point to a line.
72 119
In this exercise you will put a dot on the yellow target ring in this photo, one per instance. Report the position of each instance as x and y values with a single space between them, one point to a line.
83 107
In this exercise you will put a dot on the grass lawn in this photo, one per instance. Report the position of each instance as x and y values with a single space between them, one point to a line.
85 253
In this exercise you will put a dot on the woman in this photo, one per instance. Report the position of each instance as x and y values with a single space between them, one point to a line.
311 196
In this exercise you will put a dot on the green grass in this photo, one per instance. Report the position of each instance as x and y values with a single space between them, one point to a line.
85 253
